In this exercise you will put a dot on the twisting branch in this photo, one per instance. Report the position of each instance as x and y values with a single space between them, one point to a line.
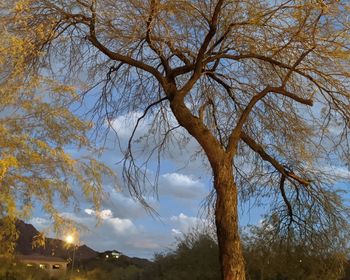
226 86
236 132
286 201
182 70
92 37
93 18
200 62
266 157
216 122
292 69
201 111
134 182
126 59
282 91
270 60
181 55
141 118
210 34
149 40
83 4
225 35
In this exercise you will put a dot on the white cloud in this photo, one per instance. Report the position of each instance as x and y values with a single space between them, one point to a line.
175 231
89 211
123 235
39 223
120 226
181 186
123 223
125 124
184 223
123 226
123 206
120 234
104 214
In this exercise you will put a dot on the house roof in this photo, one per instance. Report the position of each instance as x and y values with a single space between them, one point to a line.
40 258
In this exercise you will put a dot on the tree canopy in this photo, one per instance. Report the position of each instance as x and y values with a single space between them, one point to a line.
261 85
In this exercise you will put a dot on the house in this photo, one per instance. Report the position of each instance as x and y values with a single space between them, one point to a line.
109 255
53 265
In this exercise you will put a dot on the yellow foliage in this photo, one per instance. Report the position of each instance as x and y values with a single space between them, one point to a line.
36 128
5 164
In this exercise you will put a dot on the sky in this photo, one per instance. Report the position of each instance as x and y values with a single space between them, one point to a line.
124 224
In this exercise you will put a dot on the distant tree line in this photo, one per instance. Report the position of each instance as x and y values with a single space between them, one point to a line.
196 256
268 257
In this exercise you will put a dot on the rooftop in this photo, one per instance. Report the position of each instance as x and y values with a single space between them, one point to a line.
40 258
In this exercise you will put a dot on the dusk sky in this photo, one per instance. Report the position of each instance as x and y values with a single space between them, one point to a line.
184 183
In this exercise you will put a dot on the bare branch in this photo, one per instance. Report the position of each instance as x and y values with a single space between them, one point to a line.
265 156
266 59
149 40
282 91
292 69
236 132
201 52
285 199
117 56
142 117
126 59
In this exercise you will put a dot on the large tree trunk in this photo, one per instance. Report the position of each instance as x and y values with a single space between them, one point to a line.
231 255
226 217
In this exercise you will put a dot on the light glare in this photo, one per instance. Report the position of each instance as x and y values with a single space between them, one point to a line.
69 239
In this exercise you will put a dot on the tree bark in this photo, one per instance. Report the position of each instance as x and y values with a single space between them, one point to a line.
226 214
226 218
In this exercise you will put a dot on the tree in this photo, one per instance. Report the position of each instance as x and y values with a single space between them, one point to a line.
270 256
36 128
262 86
267 256
195 257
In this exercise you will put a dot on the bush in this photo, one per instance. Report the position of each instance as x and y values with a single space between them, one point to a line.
9 271
196 257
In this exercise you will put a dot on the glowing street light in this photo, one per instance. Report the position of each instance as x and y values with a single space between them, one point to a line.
70 240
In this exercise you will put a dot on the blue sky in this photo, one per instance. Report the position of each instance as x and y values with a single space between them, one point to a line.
184 183
124 225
